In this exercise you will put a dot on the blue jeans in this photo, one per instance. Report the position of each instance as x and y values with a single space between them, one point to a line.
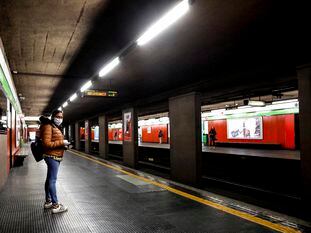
50 183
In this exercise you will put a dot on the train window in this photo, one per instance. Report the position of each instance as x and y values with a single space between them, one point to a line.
3 113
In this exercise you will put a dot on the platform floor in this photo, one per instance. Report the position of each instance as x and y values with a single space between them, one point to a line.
102 199
276 154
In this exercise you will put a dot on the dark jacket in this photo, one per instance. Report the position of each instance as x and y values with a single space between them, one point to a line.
52 138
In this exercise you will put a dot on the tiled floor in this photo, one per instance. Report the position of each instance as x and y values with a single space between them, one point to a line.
104 200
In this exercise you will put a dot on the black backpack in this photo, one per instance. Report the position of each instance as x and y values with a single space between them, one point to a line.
37 149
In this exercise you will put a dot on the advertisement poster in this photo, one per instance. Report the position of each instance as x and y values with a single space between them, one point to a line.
86 129
245 128
96 133
149 129
127 126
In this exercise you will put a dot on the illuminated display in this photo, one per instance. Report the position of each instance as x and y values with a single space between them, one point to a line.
97 93
245 128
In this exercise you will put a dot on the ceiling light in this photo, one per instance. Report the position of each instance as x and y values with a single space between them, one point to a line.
218 110
33 126
86 86
163 23
254 103
60 108
31 118
14 71
73 97
65 104
245 106
107 68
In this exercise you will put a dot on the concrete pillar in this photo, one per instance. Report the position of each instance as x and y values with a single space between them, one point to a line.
71 132
185 132
103 136
87 137
130 137
77 136
304 88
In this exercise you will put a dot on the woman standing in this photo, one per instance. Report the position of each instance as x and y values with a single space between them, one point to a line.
53 145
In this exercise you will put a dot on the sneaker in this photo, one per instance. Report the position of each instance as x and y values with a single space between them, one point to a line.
47 205
59 208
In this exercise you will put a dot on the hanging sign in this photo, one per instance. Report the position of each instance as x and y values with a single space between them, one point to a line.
100 93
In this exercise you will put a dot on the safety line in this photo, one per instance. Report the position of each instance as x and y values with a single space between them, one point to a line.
246 216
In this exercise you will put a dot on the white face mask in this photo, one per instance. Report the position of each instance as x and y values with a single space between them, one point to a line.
58 121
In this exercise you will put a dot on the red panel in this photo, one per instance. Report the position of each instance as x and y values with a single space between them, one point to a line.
152 135
82 133
278 129
92 134
290 131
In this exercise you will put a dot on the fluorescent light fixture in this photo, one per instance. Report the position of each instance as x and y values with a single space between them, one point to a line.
31 118
33 126
245 106
218 111
86 86
285 101
73 97
8 77
60 108
107 68
255 103
65 104
168 19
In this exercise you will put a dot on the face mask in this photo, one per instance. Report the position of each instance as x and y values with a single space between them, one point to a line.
58 121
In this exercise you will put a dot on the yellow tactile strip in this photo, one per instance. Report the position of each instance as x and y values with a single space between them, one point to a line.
246 216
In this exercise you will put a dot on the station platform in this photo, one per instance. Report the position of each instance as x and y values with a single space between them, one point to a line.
263 153
106 197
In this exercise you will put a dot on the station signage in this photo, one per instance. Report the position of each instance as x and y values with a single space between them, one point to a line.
100 93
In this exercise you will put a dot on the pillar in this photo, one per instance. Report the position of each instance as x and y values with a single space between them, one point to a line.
103 136
304 88
87 137
130 137
185 132
77 136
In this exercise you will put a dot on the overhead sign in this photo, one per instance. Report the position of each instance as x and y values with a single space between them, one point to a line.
99 93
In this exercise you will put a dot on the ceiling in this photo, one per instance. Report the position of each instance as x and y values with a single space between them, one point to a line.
40 39
216 48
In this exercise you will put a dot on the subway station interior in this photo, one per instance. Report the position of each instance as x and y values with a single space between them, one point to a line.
178 115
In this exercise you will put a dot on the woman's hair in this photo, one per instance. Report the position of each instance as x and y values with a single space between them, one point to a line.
55 112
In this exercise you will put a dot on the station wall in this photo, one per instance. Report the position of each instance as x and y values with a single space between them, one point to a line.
279 129
150 133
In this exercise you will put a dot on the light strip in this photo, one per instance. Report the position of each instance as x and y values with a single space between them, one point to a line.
285 101
86 86
107 68
73 97
168 19
65 104
60 109
9 79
